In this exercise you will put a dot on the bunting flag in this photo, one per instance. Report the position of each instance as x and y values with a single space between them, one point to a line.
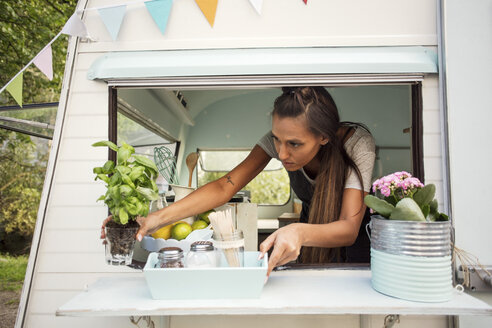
44 61
305 1
15 88
159 10
208 8
75 27
112 18
257 4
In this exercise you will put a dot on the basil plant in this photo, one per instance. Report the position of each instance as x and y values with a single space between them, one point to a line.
130 183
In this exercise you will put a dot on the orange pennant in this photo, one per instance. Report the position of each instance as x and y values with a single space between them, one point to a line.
208 8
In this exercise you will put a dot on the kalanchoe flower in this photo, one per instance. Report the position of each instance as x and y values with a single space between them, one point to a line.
399 185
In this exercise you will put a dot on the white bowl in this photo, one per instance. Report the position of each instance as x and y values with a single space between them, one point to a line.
154 245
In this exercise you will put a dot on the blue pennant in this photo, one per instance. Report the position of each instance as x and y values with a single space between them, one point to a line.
159 10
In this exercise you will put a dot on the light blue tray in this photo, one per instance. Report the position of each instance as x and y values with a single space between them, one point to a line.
203 283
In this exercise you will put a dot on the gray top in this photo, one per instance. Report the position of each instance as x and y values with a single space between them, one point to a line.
360 147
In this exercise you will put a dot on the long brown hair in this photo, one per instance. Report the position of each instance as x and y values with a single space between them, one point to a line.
323 120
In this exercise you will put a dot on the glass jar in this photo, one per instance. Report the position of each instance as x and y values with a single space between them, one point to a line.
230 248
170 257
201 255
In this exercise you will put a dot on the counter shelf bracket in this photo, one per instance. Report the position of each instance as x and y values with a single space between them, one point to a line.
390 320
146 319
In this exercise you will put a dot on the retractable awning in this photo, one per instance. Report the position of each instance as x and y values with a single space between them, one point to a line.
262 61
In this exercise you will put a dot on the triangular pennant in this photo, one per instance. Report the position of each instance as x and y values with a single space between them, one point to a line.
305 1
112 18
75 27
208 8
44 61
159 10
257 4
15 88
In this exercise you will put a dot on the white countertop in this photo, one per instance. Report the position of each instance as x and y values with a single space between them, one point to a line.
287 292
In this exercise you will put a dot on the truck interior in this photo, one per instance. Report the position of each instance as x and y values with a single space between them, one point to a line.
223 123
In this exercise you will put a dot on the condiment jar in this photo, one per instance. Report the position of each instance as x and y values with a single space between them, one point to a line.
201 255
170 257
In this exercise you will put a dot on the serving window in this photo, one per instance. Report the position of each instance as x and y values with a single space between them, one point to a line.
224 122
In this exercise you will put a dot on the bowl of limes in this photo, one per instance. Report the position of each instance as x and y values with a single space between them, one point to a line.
180 234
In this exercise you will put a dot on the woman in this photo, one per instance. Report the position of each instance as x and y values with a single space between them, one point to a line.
330 167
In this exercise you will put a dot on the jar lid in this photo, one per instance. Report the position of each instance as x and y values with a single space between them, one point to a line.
170 253
202 246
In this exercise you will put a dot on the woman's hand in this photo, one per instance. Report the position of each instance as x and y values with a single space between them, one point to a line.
103 230
150 224
286 241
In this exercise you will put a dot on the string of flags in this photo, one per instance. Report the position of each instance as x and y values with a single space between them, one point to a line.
112 17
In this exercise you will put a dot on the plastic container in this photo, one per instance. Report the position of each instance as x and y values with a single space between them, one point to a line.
207 283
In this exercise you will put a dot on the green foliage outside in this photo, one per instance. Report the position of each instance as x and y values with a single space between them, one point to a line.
12 272
22 170
269 187
26 26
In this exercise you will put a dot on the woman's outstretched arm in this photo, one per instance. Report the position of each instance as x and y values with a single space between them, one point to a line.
211 195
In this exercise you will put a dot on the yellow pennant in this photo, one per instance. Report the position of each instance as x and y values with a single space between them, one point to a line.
15 88
208 8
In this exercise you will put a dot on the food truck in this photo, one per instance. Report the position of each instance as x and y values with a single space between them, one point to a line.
411 71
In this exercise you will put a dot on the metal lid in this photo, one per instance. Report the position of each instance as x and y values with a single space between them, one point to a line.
201 246
170 253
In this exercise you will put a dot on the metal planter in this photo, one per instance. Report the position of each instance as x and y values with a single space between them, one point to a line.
411 260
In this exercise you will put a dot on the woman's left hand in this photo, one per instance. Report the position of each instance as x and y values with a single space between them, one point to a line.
286 242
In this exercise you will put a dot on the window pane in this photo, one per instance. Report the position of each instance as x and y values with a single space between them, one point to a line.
144 142
270 187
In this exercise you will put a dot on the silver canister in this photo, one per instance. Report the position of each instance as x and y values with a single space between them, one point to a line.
170 257
428 239
201 255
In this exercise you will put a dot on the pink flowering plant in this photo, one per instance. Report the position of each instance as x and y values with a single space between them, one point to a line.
399 196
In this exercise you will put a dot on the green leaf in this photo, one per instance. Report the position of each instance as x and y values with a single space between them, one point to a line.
425 210
137 171
433 206
124 170
123 216
123 155
425 195
97 170
108 167
442 217
126 179
105 143
142 160
379 205
148 193
129 147
126 190
103 197
103 177
115 179
407 210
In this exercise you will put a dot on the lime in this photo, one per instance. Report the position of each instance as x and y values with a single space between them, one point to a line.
204 216
164 232
199 224
180 230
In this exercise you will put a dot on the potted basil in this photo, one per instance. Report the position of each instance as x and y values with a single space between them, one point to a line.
131 187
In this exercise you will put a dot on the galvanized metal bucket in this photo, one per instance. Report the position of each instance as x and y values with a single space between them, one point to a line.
411 260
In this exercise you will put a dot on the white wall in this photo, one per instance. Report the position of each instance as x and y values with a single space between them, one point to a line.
468 45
